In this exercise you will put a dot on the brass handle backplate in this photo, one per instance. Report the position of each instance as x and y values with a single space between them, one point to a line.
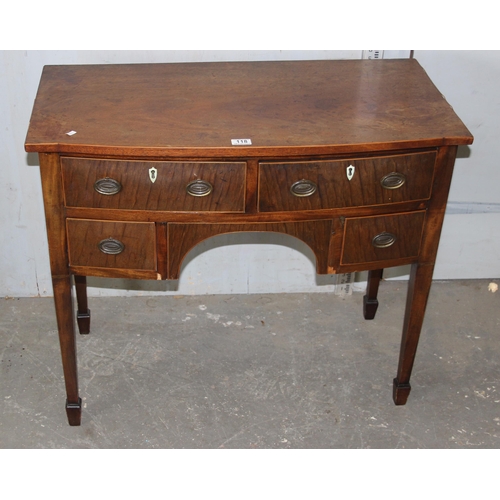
394 180
199 188
303 188
107 186
384 240
111 246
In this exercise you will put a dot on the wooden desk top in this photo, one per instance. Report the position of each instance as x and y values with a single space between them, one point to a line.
285 108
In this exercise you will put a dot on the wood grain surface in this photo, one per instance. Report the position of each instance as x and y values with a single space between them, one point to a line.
285 108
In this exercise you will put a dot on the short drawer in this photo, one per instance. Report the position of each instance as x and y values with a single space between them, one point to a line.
118 245
345 183
148 185
383 238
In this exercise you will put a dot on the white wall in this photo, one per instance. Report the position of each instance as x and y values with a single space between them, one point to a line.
270 263
470 242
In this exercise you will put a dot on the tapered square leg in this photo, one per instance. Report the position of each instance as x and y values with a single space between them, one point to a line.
416 302
65 323
50 170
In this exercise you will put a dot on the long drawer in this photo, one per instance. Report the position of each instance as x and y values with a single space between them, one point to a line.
154 185
314 185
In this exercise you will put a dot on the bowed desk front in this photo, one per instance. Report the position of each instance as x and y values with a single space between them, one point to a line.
141 162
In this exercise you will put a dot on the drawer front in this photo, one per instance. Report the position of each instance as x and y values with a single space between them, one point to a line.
384 238
118 245
146 185
345 183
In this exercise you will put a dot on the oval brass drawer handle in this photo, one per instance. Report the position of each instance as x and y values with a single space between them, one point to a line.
107 186
303 188
199 188
394 180
384 240
111 246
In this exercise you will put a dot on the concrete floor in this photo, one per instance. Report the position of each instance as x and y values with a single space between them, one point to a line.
256 371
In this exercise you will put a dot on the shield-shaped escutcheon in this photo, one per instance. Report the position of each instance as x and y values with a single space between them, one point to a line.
153 174
350 171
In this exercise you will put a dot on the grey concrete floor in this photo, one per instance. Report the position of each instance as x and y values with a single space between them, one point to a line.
255 371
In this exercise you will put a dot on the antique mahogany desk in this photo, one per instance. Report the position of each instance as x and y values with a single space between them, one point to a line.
141 162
